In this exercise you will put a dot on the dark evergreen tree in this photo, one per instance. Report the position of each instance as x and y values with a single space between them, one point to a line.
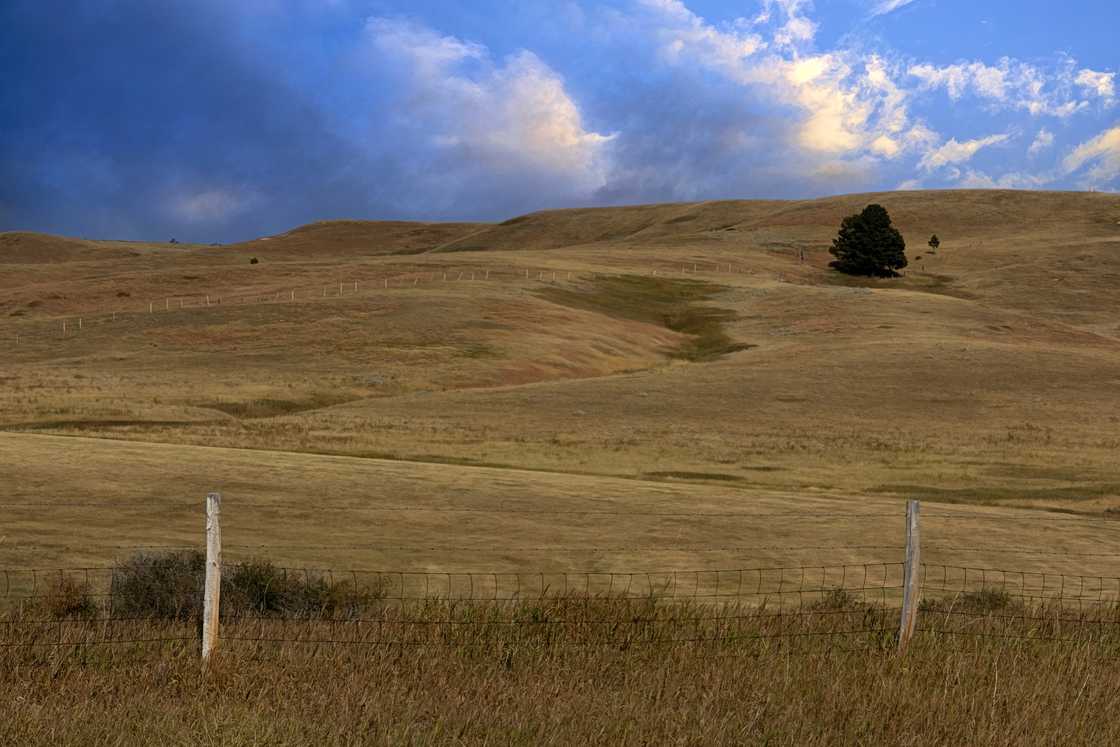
869 245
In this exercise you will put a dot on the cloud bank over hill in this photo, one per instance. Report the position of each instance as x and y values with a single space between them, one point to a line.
217 121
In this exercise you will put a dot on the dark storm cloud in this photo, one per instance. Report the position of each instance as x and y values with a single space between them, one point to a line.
137 119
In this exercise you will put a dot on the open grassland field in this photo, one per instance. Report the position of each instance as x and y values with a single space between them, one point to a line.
679 356
630 475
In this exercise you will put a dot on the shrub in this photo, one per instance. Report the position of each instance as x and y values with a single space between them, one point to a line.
159 585
261 588
254 261
169 586
869 245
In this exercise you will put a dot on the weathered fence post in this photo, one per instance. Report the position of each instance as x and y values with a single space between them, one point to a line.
911 586
213 588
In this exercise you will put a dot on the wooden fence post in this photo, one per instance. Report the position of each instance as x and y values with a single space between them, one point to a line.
911 569
213 589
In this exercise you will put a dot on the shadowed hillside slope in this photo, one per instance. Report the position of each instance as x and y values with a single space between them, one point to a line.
23 247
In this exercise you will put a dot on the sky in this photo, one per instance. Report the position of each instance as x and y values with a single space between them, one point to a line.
217 121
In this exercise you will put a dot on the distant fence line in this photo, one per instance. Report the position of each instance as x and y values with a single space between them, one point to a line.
69 326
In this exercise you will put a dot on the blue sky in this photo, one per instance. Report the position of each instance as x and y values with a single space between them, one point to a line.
217 121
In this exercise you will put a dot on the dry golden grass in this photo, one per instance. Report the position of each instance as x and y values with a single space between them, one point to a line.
76 502
946 691
657 388
718 364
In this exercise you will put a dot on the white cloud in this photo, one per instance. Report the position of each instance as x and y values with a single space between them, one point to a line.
1010 84
685 33
845 105
954 152
849 107
1042 142
885 146
1102 153
835 115
972 179
883 7
516 114
1098 83
798 28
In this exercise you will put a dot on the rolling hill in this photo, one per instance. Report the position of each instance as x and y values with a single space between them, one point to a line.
674 353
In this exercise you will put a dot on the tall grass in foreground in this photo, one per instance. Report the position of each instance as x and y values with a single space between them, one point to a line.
315 661
534 675
947 690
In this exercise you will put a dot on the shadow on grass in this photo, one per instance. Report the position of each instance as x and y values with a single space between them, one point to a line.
672 303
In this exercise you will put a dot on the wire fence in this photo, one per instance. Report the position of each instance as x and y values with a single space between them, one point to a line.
149 600
142 603
152 597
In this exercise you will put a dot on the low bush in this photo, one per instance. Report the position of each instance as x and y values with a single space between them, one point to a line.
260 588
169 586
159 585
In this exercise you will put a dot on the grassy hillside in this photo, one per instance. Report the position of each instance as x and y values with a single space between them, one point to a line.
359 238
654 351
